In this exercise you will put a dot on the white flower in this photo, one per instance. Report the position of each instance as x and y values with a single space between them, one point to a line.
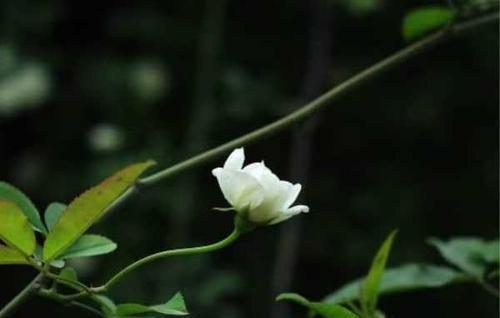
256 192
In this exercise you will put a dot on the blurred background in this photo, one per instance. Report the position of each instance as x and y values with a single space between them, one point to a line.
88 88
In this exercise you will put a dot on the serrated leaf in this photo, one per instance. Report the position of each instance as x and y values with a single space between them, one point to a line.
404 278
89 245
88 208
327 310
12 194
15 229
53 213
370 287
422 21
174 307
470 254
10 256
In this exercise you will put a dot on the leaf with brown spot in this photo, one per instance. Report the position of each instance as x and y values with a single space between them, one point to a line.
88 208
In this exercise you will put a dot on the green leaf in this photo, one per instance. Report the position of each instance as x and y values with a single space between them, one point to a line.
12 194
421 21
174 307
108 306
53 213
15 229
69 273
491 252
11 256
89 245
327 310
128 309
470 254
404 278
88 208
58 263
370 287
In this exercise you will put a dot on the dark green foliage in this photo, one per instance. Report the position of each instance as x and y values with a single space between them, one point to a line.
399 279
422 21
326 310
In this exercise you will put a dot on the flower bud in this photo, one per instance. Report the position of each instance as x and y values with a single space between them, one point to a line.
258 195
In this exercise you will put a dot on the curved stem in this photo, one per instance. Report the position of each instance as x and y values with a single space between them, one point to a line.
69 283
86 307
325 99
21 297
177 252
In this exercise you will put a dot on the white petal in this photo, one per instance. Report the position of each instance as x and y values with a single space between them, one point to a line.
280 218
298 209
240 189
216 172
256 169
277 195
291 196
235 160
262 173
289 213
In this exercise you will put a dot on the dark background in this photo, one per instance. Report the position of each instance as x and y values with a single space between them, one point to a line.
87 88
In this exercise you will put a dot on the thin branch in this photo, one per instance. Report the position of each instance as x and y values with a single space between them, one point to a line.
63 299
21 297
86 307
317 104
325 99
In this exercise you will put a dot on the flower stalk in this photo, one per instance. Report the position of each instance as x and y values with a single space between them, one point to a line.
177 252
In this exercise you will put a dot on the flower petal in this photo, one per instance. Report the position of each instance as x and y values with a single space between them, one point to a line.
262 173
291 195
240 189
256 169
216 172
235 160
289 213
298 209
